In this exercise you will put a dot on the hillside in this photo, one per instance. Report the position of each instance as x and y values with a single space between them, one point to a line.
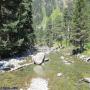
42 9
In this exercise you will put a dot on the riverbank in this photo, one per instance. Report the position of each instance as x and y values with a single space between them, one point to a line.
72 73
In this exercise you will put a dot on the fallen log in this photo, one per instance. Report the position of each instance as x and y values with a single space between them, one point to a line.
19 67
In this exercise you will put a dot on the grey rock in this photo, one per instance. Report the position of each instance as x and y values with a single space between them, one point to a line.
38 58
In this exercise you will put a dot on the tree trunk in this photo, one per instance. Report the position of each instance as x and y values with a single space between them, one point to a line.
82 46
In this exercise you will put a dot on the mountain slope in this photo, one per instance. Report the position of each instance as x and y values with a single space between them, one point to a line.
44 8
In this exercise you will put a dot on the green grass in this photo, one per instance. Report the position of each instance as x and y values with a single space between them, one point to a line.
88 45
16 78
87 52
69 81
71 73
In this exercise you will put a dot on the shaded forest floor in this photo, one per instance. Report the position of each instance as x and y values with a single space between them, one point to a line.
72 73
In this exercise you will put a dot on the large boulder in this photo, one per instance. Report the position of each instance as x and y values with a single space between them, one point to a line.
38 58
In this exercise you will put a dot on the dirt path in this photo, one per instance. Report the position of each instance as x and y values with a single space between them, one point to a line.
38 84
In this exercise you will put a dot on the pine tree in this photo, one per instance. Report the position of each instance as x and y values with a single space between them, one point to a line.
67 18
49 33
79 29
16 32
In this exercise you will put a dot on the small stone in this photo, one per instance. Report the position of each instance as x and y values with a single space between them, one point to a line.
59 74
46 59
82 56
62 57
21 89
67 62
43 64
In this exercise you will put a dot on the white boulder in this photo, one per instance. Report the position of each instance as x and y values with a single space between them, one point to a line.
62 57
59 74
38 58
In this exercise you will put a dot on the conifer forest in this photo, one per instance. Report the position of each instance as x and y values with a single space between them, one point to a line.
44 45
